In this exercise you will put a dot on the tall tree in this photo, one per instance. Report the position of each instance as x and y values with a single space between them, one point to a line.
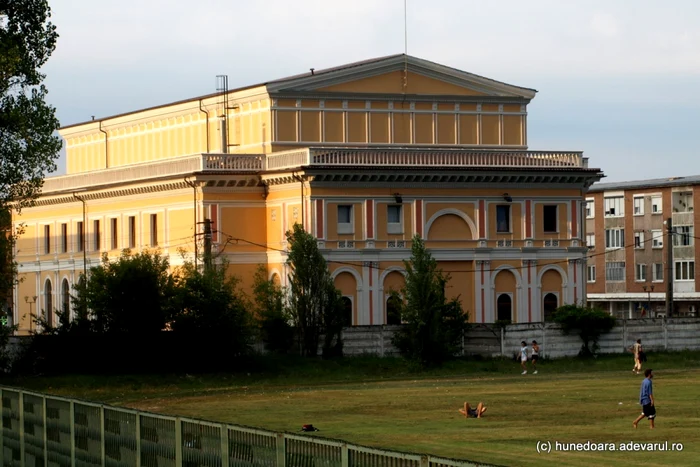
271 312
434 325
28 145
313 297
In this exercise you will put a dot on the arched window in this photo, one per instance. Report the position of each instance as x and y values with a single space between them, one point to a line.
48 302
393 310
347 311
505 307
65 298
550 306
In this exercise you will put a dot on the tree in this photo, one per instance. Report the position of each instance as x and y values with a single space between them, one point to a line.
132 294
590 323
271 313
28 146
434 326
313 296
208 304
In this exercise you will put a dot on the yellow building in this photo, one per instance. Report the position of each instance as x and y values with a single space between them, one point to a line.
364 155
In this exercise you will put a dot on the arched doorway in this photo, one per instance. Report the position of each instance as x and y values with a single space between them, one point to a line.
550 305
65 298
48 302
393 310
505 307
347 311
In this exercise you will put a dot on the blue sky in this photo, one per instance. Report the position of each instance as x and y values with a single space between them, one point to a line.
617 79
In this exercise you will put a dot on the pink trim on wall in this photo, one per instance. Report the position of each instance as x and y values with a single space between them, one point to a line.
528 218
574 220
482 220
370 218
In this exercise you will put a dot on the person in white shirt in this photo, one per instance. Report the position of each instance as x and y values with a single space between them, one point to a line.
523 357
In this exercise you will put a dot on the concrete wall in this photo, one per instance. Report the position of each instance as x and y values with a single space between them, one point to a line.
489 340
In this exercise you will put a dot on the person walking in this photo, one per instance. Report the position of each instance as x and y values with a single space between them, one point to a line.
523 357
535 356
646 399
636 349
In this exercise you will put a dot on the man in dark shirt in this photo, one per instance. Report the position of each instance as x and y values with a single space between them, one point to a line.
646 399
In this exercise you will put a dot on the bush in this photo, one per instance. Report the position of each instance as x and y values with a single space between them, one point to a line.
590 323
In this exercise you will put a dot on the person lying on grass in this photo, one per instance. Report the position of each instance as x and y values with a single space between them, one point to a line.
469 412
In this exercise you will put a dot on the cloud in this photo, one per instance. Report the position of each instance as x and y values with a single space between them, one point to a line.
604 25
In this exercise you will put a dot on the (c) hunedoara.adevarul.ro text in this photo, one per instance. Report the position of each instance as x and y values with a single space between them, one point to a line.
557 446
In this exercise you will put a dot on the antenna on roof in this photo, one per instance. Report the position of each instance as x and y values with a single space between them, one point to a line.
405 45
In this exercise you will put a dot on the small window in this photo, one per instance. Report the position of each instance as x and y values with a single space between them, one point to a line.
81 237
114 234
640 272
154 229
590 209
656 205
345 219
393 218
639 240
503 219
591 274
132 232
590 240
685 271
549 218
657 239
64 238
638 205
657 272
683 235
615 271
47 239
96 235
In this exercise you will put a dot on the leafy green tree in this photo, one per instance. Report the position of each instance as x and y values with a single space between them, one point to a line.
333 322
313 296
433 325
130 295
271 314
590 323
8 266
209 303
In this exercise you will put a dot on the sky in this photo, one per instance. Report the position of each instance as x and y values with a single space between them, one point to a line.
617 79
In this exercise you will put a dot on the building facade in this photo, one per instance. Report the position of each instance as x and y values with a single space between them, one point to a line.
627 227
364 156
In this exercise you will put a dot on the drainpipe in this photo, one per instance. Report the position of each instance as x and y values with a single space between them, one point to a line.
82 200
207 129
194 206
106 146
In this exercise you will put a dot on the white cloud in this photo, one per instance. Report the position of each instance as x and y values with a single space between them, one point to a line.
604 25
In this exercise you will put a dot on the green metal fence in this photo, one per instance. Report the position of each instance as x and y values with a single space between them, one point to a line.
51 431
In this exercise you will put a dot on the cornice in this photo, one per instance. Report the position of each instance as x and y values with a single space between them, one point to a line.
113 193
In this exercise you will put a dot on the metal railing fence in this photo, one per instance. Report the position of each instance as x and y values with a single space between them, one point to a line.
45 430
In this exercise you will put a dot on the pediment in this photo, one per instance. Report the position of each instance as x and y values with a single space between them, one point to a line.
399 74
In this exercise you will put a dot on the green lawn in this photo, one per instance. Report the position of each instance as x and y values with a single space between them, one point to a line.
386 403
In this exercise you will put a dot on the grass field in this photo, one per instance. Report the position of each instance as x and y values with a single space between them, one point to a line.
386 403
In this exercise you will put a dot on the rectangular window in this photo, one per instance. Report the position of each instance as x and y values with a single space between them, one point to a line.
638 205
614 238
657 272
96 234
685 271
113 233
640 272
154 229
393 219
591 273
132 232
81 237
683 235
656 205
47 239
590 240
615 271
615 206
657 239
549 221
639 240
590 209
345 219
503 219
64 238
